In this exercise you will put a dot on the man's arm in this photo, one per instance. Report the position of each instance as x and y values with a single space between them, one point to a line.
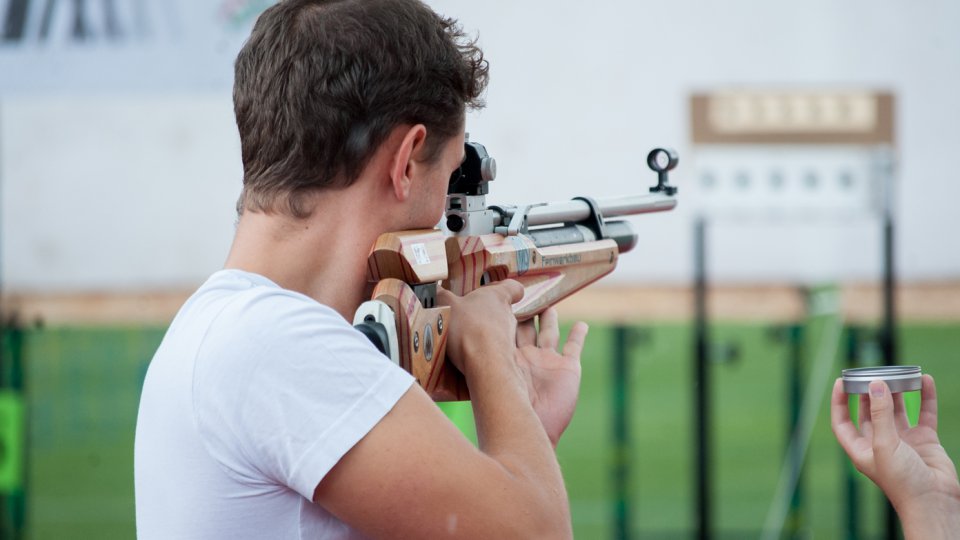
415 475
907 463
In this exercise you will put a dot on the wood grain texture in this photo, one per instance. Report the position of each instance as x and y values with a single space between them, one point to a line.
422 335
413 256
548 274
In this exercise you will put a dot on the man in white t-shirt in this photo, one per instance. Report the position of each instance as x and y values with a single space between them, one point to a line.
264 414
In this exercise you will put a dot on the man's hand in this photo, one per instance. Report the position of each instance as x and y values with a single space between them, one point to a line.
553 379
484 321
907 463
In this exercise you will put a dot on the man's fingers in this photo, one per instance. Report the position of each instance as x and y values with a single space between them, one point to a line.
885 435
508 290
445 297
526 334
511 288
928 403
900 413
863 416
840 421
574 345
863 413
549 329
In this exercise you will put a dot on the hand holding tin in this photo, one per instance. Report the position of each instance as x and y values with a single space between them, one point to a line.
907 463
898 378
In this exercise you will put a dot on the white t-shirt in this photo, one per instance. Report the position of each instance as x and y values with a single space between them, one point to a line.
254 395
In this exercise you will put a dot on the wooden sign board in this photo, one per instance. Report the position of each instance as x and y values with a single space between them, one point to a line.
792 117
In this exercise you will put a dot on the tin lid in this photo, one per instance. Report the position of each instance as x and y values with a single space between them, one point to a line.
881 372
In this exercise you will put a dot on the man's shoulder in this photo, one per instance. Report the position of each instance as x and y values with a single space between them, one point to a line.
239 301
238 316
248 315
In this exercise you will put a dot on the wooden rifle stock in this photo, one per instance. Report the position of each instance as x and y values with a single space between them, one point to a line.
401 262
398 263
547 274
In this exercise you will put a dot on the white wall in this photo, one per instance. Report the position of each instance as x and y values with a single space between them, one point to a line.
117 192
129 180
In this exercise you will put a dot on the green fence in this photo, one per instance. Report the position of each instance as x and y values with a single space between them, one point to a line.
82 385
82 391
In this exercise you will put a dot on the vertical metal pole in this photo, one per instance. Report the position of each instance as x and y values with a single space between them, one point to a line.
621 438
888 334
795 520
851 489
888 341
701 383
14 503
17 380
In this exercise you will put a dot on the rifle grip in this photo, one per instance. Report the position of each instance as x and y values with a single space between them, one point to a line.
422 337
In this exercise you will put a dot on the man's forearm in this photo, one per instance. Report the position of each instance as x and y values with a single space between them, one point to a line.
934 519
509 431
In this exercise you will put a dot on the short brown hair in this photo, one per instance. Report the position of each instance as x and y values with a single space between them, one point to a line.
320 84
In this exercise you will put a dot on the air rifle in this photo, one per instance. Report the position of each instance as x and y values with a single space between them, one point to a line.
552 249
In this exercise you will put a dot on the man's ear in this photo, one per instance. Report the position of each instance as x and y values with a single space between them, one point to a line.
411 146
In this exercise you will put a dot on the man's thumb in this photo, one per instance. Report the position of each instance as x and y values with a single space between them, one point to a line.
881 415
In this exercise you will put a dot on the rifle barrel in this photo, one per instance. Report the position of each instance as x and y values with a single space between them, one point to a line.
577 210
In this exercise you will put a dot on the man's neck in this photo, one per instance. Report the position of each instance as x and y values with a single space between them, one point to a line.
323 256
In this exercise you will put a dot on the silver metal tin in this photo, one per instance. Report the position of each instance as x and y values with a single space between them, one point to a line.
898 378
